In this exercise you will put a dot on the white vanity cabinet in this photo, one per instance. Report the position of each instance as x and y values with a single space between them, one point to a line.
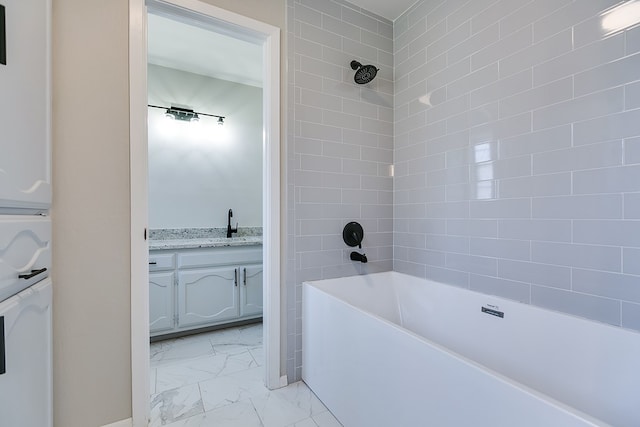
198 288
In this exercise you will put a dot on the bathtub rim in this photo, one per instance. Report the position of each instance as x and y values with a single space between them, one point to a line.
395 274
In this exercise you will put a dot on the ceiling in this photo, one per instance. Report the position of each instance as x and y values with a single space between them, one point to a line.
199 50
188 47
390 9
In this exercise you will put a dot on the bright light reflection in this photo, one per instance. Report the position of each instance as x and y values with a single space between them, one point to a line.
425 99
202 132
485 190
485 186
484 171
165 126
621 17
482 153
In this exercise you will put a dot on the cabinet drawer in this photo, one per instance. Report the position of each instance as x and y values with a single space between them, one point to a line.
220 256
25 252
162 261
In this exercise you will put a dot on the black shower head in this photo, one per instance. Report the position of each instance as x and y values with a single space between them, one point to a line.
364 73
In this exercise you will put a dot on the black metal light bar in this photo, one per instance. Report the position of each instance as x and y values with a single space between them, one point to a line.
186 114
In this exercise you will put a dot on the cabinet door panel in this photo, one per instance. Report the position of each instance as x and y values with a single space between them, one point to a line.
251 290
207 296
161 301
25 384
25 107
25 252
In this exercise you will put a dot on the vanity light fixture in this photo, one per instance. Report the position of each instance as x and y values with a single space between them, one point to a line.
185 114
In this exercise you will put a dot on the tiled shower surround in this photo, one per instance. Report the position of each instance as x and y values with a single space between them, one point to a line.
515 152
515 145
340 149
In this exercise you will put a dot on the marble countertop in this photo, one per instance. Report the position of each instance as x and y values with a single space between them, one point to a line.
202 238
203 242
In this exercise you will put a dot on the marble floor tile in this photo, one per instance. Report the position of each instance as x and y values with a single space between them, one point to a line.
323 419
239 414
191 371
156 347
233 388
201 369
243 336
229 335
258 355
179 350
176 404
251 334
232 348
216 379
326 419
287 405
236 362
307 422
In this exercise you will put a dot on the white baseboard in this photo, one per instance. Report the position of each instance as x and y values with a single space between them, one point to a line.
124 423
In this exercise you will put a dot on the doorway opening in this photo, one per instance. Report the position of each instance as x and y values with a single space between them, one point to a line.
181 75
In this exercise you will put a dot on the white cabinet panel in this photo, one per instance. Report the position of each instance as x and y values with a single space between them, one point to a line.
220 256
25 250
207 295
25 106
251 290
161 301
25 385
161 261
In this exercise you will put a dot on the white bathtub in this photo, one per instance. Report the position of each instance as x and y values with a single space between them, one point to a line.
390 349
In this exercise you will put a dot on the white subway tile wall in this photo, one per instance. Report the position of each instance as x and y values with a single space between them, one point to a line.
516 151
514 131
339 150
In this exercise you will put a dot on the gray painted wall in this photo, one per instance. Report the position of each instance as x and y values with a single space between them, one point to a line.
198 171
91 214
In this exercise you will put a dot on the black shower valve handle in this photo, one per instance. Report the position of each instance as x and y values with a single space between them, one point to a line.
356 239
353 234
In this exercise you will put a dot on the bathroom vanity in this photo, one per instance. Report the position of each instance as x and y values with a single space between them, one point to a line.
198 283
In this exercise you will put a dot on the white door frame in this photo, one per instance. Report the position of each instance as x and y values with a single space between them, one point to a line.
274 378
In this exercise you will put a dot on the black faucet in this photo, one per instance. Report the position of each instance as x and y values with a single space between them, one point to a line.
229 229
355 256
